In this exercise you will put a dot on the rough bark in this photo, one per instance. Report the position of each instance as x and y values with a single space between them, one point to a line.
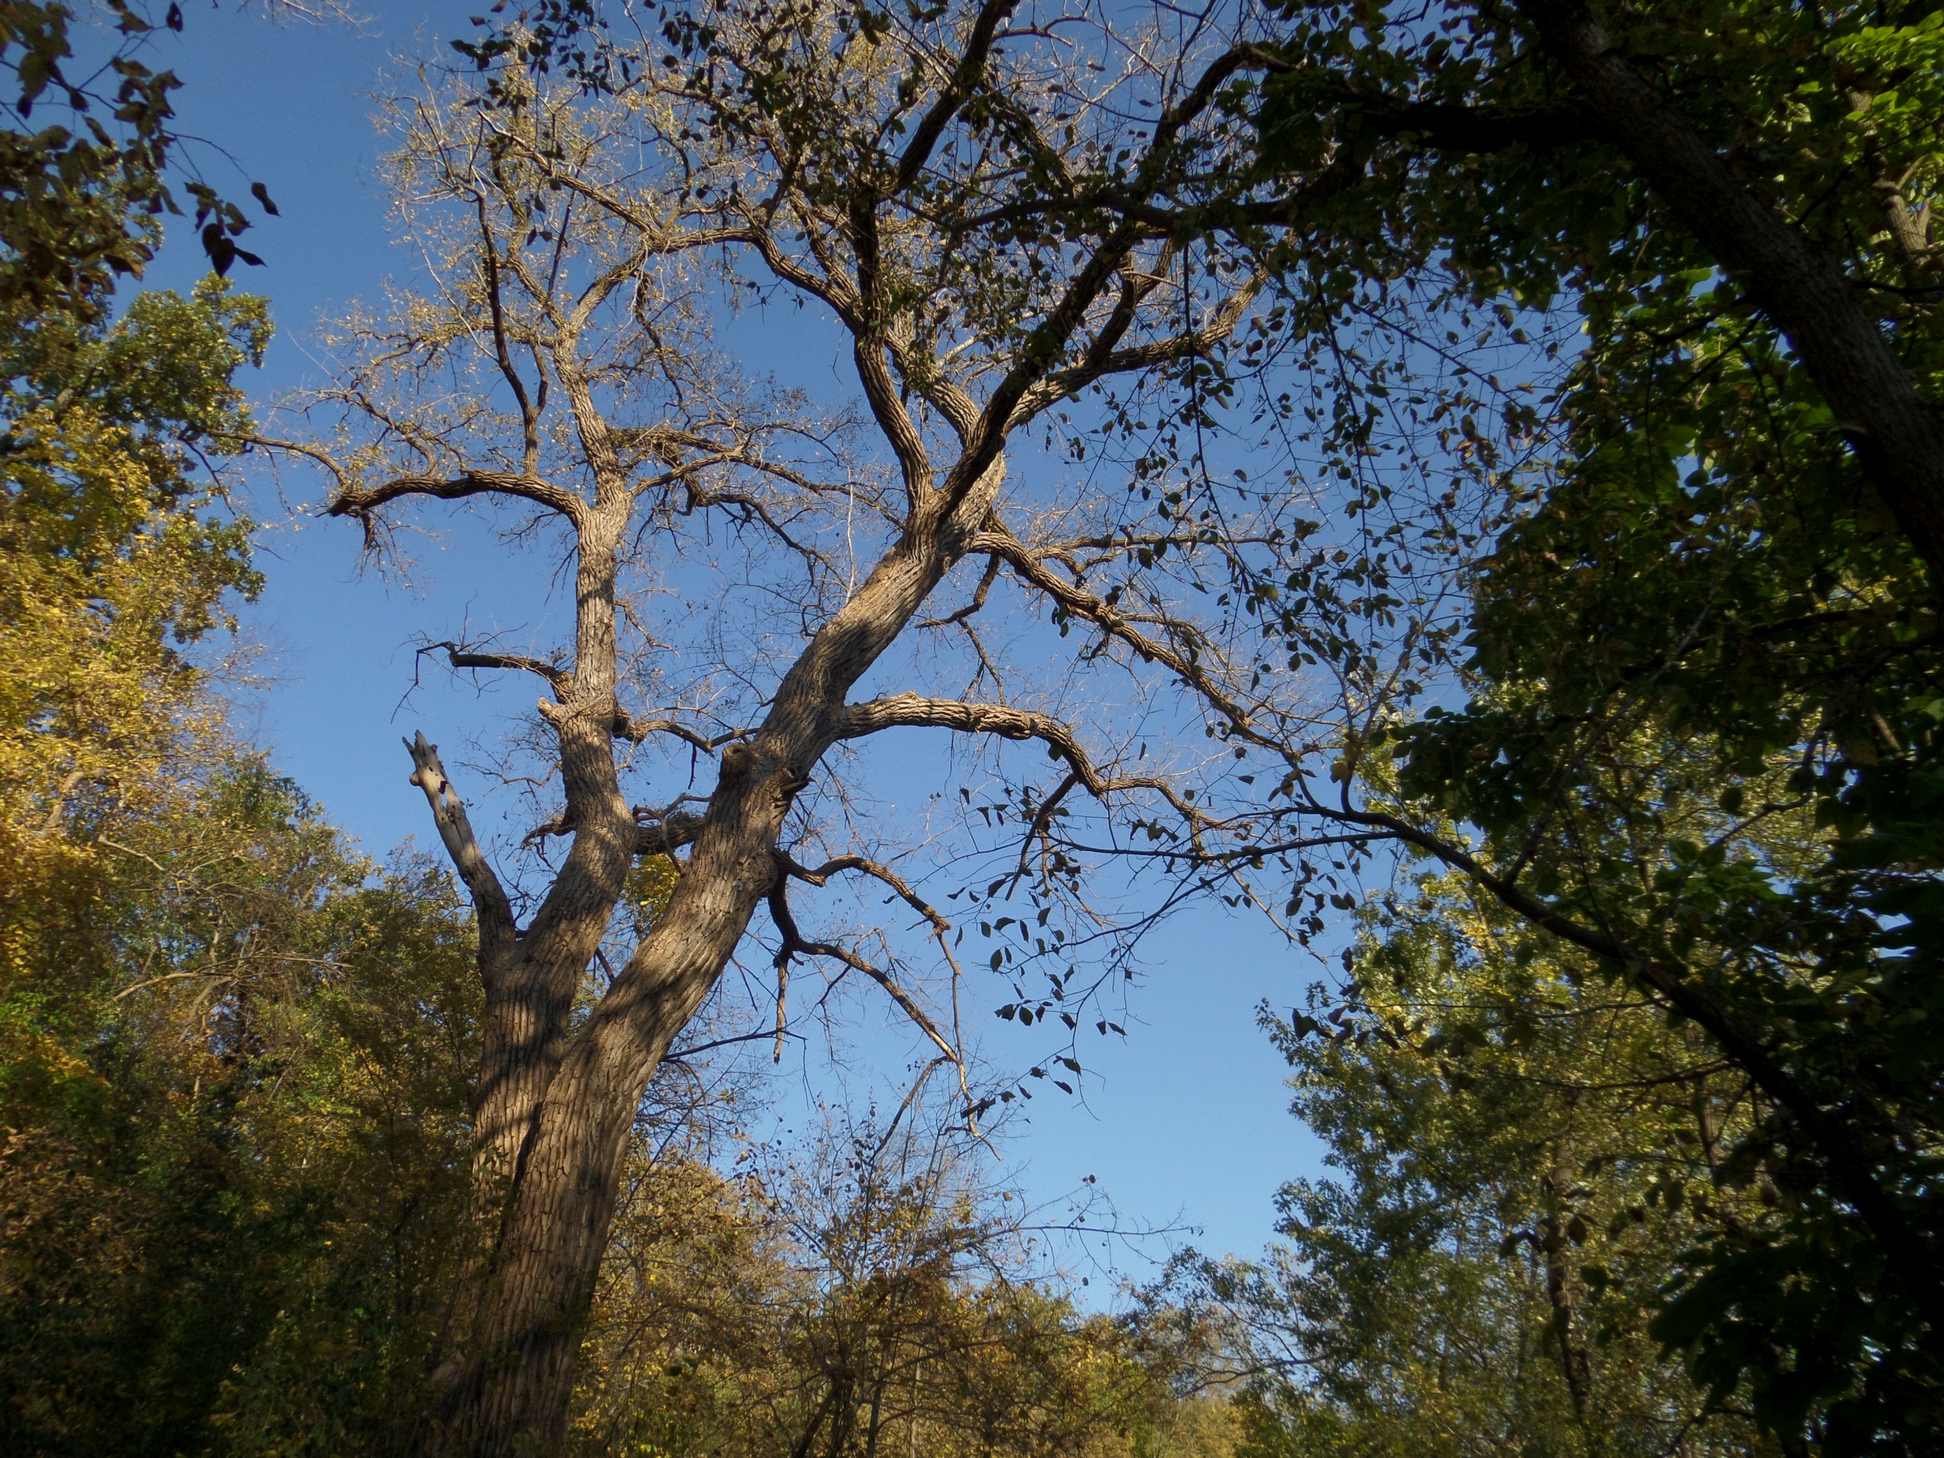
575 1104
579 1104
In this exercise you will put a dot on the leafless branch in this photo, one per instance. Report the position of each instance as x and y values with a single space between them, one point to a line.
490 904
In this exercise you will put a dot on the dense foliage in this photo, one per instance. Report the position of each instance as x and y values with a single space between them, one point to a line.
1524 1158
1701 736
116 556
228 1185
1508 432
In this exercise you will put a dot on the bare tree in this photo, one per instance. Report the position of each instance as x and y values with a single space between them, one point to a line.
872 168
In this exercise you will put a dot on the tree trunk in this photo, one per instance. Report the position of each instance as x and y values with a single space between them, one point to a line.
556 1110
534 1286
1575 1362
876 1418
535 1282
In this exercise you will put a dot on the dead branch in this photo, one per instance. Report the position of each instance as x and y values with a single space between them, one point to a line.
490 903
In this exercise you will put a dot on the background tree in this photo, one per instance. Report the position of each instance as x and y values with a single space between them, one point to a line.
862 1294
1525 1158
233 1137
114 557
205 1180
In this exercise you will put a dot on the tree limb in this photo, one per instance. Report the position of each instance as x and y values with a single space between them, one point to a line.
1897 434
490 904
903 888
529 417
911 710
361 502
795 945
466 658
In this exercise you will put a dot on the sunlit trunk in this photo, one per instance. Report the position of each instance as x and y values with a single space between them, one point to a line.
534 1284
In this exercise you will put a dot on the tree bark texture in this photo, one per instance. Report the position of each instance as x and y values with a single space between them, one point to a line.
556 1111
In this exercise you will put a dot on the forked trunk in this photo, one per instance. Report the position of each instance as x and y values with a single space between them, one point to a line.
556 1110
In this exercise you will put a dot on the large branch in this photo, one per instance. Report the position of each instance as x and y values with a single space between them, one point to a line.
1898 434
868 353
914 711
361 502
503 356
494 911
970 71
1363 118
461 657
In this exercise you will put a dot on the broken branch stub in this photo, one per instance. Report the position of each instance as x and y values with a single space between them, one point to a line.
455 830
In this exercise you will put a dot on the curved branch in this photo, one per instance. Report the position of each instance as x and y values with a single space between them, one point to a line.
360 502
794 945
633 730
821 874
940 927
465 658
971 608
914 711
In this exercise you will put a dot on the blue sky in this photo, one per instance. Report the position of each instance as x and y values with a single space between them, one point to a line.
1185 1121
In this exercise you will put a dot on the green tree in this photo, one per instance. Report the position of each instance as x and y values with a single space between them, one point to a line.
113 556
1703 566
233 1098
229 1119
1526 1157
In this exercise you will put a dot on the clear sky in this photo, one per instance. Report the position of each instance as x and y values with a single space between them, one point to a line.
1183 1122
